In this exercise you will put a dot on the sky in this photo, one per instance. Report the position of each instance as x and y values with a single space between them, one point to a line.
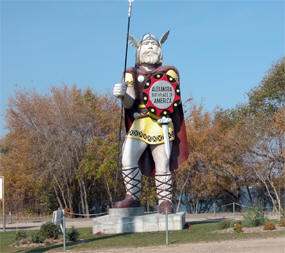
222 48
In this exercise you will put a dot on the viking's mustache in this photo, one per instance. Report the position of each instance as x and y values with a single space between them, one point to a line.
150 52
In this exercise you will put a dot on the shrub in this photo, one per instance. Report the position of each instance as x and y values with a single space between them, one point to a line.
49 230
21 234
282 222
269 226
28 212
37 237
72 234
224 225
238 228
186 225
23 241
254 217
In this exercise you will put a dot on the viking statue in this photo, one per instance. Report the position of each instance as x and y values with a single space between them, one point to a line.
148 149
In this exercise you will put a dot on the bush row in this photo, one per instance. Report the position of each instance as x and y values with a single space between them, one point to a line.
253 218
47 231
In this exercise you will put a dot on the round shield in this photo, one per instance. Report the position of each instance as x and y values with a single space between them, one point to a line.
161 94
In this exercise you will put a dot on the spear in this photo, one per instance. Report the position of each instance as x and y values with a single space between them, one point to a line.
121 118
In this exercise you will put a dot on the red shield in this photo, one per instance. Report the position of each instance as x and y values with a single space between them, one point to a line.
161 94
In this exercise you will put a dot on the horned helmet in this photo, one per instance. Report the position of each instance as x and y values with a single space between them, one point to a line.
147 36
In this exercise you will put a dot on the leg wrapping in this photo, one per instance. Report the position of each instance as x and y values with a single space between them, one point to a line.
163 184
132 181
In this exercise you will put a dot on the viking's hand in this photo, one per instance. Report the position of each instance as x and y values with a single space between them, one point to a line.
119 90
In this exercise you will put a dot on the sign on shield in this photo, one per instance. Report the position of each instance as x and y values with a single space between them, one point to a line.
161 94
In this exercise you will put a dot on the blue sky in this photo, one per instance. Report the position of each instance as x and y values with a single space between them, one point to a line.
222 49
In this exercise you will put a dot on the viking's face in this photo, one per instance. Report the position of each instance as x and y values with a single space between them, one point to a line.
149 52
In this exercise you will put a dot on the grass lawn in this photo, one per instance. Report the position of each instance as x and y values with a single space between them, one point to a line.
196 233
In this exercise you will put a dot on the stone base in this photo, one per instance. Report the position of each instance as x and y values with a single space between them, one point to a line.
132 220
126 212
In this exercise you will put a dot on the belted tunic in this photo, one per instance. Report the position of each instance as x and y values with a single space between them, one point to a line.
145 126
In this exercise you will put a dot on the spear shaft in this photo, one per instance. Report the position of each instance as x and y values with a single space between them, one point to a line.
128 31
122 107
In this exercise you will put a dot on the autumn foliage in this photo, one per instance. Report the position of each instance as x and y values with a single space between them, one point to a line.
61 151
49 142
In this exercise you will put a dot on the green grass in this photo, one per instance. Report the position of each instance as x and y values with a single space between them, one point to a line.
196 233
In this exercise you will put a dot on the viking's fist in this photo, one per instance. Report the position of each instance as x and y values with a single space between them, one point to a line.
120 89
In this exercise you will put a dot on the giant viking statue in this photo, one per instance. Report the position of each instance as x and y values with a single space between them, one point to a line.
150 95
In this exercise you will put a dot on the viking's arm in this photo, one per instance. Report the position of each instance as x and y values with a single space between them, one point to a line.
129 98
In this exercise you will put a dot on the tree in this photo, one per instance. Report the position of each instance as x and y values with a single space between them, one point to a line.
259 136
48 137
211 169
99 166
266 106
269 95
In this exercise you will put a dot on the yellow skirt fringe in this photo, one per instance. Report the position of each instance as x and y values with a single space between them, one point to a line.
149 131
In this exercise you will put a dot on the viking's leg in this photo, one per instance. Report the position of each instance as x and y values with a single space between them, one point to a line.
163 179
132 150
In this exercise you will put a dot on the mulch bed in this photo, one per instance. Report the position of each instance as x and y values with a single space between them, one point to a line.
250 229
25 243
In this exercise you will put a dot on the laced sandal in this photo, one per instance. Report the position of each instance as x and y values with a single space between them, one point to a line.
165 206
132 181
164 192
127 202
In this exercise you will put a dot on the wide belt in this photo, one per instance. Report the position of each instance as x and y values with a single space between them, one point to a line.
143 112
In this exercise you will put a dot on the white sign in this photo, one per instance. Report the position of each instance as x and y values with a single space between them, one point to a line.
1 187
57 217
162 94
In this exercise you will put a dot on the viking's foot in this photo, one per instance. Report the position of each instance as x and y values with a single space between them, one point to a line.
165 206
127 202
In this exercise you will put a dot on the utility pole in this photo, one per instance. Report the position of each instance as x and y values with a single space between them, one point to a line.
2 198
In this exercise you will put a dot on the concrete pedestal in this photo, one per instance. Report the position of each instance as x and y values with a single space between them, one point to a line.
132 220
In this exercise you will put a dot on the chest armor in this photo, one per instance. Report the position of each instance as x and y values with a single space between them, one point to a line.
140 76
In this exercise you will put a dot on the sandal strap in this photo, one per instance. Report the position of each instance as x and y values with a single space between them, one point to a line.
132 179
164 186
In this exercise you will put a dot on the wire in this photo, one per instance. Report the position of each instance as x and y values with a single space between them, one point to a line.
84 214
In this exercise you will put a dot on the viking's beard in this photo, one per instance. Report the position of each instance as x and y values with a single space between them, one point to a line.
149 57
